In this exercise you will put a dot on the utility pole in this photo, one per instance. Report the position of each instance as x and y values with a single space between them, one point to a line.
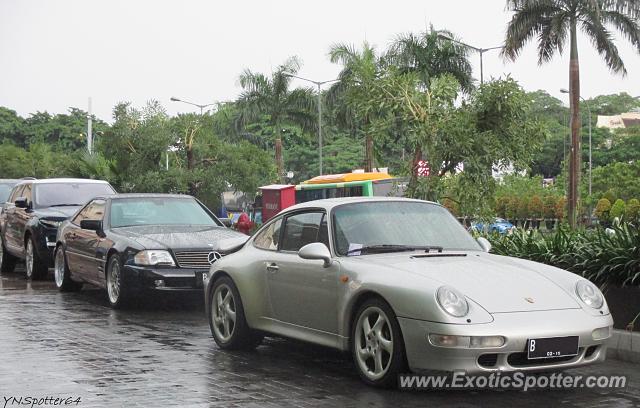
89 130
319 85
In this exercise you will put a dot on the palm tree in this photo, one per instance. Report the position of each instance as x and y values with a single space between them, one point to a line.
360 70
551 22
271 98
431 54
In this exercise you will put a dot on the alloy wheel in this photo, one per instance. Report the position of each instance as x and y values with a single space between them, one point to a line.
223 313
59 268
29 259
374 343
113 282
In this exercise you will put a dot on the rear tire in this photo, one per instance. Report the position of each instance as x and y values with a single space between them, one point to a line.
226 318
7 261
62 274
118 294
35 268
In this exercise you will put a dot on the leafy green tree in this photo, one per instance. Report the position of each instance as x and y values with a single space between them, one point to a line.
551 22
361 72
12 127
271 98
613 104
620 178
430 54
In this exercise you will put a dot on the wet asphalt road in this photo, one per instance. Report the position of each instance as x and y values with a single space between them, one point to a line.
162 354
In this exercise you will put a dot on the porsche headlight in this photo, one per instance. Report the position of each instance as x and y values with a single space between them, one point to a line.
452 301
154 257
589 294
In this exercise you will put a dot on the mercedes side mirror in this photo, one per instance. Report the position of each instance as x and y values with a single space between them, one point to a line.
316 250
91 225
22 202
484 244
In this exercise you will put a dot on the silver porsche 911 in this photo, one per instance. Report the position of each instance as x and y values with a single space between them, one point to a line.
401 285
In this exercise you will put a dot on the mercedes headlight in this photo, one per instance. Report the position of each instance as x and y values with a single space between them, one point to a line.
452 301
154 257
50 223
589 294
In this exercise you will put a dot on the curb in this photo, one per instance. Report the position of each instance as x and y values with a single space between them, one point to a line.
625 346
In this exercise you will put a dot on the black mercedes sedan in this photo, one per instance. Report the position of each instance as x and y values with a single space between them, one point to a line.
129 243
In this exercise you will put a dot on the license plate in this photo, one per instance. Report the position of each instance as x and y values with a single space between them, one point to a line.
552 347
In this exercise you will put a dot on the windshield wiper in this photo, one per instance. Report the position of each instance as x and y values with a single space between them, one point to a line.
394 248
65 205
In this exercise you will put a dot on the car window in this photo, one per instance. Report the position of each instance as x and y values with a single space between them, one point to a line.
300 230
26 193
268 238
95 210
5 191
139 211
92 211
69 194
16 193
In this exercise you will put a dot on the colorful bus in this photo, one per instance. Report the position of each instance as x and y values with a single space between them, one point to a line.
350 185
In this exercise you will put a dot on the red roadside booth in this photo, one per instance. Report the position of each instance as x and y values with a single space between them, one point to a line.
275 198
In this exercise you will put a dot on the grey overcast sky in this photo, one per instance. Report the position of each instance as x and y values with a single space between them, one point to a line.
55 54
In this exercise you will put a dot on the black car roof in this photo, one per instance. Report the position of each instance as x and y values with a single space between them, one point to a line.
142 195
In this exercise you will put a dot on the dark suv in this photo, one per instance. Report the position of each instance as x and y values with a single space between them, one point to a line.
32 214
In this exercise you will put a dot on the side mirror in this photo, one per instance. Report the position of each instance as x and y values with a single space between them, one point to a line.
484 244
316 250
226 222
22 203
92 225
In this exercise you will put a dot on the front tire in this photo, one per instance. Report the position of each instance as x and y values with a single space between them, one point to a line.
62 274
226 318
36 269
377 345
118 294
7 261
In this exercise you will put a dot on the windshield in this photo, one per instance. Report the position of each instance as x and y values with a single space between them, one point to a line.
5 190
69 194
397 223
130 212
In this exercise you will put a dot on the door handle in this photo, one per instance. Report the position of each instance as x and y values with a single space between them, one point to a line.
272 267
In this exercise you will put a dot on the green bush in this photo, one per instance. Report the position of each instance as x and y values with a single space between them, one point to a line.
602 209
550 206
602 256
632 211
617 210
536 207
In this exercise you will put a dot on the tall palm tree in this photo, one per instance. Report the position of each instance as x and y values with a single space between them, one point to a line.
431 54
360 70
272 98
551 22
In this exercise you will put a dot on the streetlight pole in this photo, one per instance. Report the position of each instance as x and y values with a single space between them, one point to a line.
480 51
174 99
565 91
319 85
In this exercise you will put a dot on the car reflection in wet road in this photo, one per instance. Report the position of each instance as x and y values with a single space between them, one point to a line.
161 353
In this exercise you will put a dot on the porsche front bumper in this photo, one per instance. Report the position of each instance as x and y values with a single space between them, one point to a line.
516 328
